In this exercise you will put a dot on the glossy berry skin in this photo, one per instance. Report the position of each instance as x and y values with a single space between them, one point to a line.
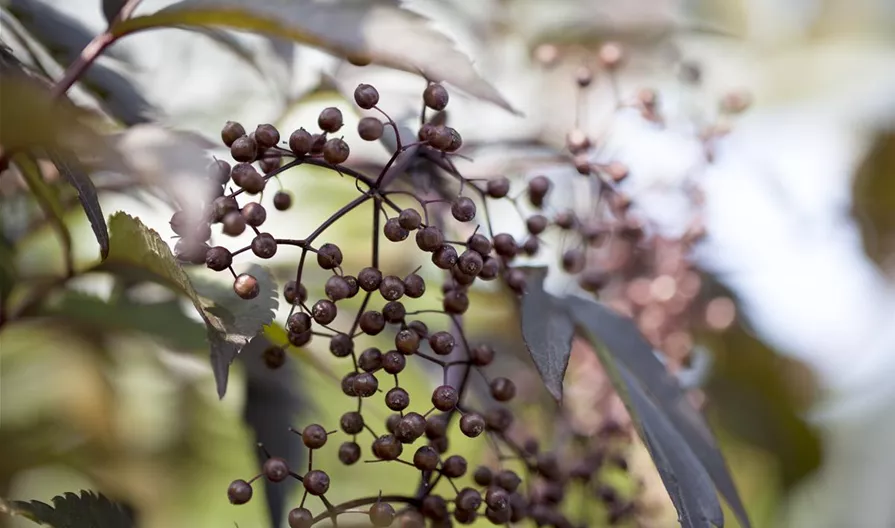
314 436
264 246
393 362
365 385
275 469
370 360
397 399
337 288
330 120
442 343
366 96
463 209
298 322
472 424
372 322
391 288
295 293
435 96
483 476
300 142
352 422
414 286
231 132
234 223
336 151
324 311
454 466
503 389
445 398
282 200
445 256
218 258
246 286
300 518
387 447
429 238
267 136
498 187
329 256
410 427
409 219
381 514
393 230
349 453
426 458
239 492
254 213
316 482
370 128
244 149
369 278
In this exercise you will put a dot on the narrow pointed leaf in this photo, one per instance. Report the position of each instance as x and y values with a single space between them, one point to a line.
627 351
80 180
687 482
547 330
376 31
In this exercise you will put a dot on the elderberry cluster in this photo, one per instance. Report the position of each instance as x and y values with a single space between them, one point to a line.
444 229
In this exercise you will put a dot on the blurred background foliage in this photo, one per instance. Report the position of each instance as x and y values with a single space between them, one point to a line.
106 384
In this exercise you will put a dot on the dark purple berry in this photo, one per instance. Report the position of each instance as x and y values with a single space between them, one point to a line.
366 96
435 96
246 286
239 492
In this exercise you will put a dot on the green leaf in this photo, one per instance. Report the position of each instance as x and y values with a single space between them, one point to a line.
87 510
49 203
80 180
376 31
230 321
643 382
547 330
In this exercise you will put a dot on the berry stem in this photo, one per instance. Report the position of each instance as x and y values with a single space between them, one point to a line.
92 51
350 505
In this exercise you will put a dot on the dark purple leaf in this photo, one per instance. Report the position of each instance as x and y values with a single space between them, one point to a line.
547 330
623 349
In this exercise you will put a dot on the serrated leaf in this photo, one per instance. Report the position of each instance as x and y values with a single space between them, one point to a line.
271 405
80 180
243 319
637 372
547 330
231 322
87 510
49 203
64 38
381 32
